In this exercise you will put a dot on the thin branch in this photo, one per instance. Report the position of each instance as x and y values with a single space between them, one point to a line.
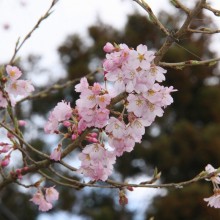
152 16
24 142
75 182
215 11
184 64
55 87
178 4
19 45
203 31
183 29
56 181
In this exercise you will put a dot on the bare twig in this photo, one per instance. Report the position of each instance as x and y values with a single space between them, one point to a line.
183 29
152 16
19 45
184 64
215 11
203 31
55 87
178 4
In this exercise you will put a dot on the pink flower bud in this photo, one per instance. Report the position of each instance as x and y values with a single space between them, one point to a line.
5 147
123 200
130 188
108 48
19 175
93 134
74 136
66 124
22 123
5 161
10 135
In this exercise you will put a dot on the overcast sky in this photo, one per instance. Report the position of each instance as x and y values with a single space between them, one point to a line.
70 16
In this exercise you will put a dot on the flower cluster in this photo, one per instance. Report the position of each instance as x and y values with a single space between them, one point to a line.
12 86
45 201
214 200
61 112
96 162
129 71
92 105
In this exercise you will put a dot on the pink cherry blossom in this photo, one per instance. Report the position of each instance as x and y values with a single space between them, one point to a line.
62 111
82 85
19 87
38 199
215 178
96 162
45 206
214 200
136 104
101 117
115 127
157 73
108 47
103 100
13 72
56 154
96 89
52 125
51 194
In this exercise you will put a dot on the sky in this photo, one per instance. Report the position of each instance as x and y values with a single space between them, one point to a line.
69 17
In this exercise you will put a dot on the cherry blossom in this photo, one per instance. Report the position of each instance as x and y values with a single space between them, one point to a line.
13 72
51 194
56 154
45 202
215 178
96 162
214 200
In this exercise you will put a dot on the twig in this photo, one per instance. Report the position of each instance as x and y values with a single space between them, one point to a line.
19 45
183 29
24 142
203 31
215 11
46 92
153 17
184 64
178 4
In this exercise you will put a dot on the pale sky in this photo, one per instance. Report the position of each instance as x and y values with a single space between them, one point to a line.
70 16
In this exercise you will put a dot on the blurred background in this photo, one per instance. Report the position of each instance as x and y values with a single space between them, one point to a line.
69 45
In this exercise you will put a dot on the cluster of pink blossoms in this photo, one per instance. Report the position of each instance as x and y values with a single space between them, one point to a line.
45 201
97 162
13 87
214 200
127 70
